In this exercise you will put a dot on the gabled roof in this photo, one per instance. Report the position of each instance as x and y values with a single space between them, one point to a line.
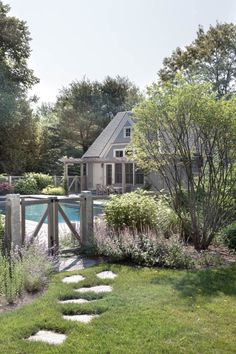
107 136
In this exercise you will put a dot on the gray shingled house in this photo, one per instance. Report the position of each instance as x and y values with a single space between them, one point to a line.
105 163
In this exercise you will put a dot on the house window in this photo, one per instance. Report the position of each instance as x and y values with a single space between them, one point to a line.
84 169
108 175
118 153
129 173
118 173
127 132
139 177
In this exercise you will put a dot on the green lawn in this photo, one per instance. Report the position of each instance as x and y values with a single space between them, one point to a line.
149 311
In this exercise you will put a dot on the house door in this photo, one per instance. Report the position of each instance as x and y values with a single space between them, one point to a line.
108 174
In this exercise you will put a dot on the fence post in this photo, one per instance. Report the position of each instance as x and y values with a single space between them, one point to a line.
13 221
50 228
55 226
86 220
10 181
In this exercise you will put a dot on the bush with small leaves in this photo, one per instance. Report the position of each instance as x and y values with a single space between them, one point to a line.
42 180
50 190
26 185
135 210
229 236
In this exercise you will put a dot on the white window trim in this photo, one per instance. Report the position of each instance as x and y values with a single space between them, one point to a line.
125 136
114 153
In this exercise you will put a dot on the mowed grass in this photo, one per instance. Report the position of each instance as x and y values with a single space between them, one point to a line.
149 311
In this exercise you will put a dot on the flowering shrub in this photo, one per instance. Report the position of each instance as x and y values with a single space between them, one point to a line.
26 269
147 248
5 188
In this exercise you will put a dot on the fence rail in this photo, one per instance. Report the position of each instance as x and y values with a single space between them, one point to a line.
73 182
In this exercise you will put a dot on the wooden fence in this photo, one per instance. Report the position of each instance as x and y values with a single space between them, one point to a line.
16 221
73 182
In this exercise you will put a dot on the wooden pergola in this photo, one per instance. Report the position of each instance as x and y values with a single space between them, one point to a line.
70 161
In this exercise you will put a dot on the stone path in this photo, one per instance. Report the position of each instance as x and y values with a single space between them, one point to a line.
96 289
74 301
80 318
48 337
73 279
106 275
51 337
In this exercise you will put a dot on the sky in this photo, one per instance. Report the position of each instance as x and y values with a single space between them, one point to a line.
74 39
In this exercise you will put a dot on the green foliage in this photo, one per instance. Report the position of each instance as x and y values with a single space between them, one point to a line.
135 210
229 236
26 185
187 136
168 221
42 180
211 56
11 278
51 190
23 270
85 108
36 267
33 183
147 249
15 49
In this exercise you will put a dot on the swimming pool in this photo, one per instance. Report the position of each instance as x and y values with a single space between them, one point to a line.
72 211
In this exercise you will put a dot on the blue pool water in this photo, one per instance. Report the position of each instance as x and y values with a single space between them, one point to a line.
35 212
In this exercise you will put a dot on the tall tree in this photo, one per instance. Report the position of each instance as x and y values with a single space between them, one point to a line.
19 141
16 118
189 138
86 107
211 57
15 49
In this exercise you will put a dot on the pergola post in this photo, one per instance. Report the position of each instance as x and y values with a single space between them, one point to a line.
82 186
66 177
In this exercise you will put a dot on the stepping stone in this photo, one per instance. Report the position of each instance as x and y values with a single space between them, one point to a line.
75 263
73 301
106 275
73 279
48 337
96 289
80 318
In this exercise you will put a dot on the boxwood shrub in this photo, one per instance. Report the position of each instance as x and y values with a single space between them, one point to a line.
135 210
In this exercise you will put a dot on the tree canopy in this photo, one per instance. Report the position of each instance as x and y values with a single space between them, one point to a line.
211 57
86 107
